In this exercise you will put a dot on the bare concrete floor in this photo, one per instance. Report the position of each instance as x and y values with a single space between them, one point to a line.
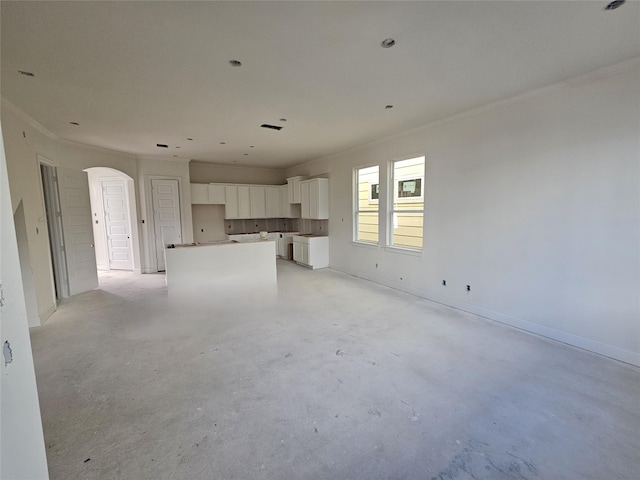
342 379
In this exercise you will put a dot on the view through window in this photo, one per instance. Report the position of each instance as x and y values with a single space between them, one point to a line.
366 212
407 212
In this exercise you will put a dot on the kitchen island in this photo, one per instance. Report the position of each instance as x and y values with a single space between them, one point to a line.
220 270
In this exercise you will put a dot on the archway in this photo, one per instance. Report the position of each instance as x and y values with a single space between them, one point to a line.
114 219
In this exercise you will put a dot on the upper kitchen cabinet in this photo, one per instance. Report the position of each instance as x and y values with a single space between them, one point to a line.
237 202
272 197
288 210
293 184
212 194
199 194
314 195
258 202
231 206
244 201
216 193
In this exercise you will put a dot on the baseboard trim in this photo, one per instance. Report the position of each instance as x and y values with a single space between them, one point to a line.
561 336
44 316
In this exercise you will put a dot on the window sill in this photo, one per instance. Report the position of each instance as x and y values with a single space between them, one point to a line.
403 251
364 244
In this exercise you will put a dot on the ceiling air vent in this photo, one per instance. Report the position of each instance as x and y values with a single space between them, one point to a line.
272 127
161 145
615 4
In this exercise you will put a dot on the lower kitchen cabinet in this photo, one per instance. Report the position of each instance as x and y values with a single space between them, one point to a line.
311 251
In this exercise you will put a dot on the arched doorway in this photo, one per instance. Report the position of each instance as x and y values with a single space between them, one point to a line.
114 219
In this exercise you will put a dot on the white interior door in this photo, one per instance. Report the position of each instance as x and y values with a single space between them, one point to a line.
75 209
166 216
117 225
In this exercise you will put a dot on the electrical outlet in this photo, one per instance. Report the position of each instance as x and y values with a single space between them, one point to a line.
444 283
468 288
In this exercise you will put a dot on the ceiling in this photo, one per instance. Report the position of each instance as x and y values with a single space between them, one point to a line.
137 74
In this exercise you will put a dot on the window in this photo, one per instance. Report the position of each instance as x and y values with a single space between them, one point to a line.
367 192
407 208
375 191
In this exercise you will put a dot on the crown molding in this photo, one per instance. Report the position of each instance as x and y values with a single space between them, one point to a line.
11 107
571 82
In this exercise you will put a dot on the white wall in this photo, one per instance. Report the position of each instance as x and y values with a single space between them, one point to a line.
22 452
208 223
534 202
202 172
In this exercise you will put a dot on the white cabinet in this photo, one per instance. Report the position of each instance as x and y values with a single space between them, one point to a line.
231 206
199 194
258 203
311 251
237 202
272 197
314 195
216 193
202 193
288 210
244 201
249 201
293 185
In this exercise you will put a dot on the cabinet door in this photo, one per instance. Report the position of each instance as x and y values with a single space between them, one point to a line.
272 195
294 189
315 193
199 194
231 205
323 199
258 202
305 254
305 200
297 252
313 199
244 202
216 194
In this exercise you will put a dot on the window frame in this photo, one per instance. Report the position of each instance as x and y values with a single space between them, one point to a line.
392 213
356 204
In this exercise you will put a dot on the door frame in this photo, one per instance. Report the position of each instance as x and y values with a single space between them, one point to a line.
104 218
152 260
51 199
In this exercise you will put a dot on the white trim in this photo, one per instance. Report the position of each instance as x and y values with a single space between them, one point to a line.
44 316
151 232
592 346
414 252
360 243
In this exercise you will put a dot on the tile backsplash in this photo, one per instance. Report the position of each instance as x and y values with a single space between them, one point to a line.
314 227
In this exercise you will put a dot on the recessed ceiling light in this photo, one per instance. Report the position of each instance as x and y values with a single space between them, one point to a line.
388 107
74 123
246 154
283 119
28 74
162 145
388 43
223 143
235 161
190 139
615 4
178 146
252 146
235 63
175 156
